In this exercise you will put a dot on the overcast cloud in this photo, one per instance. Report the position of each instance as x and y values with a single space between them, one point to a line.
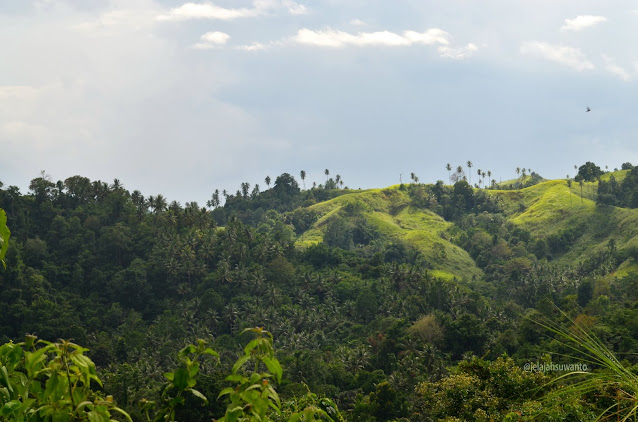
182 98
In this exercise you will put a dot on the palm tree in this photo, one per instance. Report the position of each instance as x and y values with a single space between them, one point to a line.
302 174
412 176
160 203
267 180
244 189
489 175
151 202
448 167
569 186
327 173
518 171
469 167
337 179
483 175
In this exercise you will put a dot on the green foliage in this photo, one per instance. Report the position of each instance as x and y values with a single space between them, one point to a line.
43 381
368 293
588 172
4 236
254 395
253 398
607 382
180 381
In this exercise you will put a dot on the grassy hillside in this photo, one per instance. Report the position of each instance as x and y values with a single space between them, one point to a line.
390 212
548 208
552 207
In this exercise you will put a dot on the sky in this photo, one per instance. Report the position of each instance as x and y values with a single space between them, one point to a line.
182 98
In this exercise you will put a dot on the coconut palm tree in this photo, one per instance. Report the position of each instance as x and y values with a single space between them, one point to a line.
448 167
469 168
267 180
302 174
327 173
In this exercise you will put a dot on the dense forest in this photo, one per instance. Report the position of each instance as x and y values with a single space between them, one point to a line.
416 302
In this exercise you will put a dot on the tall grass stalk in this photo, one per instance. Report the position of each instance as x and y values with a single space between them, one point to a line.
606 373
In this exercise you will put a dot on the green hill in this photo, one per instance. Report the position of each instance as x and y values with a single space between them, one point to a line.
391 213
548 210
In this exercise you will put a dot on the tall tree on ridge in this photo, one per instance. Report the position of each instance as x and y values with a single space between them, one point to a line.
469 168
327 173
448 167
302 174
267 180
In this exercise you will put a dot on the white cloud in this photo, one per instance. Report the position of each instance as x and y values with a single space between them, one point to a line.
206 11
335 38
212 39
357 22
210 10
256 46
615 69
295 8
582 22
429 37
457 53
567 56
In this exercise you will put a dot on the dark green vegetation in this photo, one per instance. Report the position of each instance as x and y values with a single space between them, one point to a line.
406 302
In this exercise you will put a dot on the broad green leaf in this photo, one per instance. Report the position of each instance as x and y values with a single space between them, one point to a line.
294 418
211 352
4 236
273 366
33 361
181 379
123 413
187 350
240 362
194 369
227 390
10 407
4 379
61 416
200 396
251 345
98 417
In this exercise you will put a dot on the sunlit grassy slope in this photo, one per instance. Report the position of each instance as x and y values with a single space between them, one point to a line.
547 208
551 207
390 213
